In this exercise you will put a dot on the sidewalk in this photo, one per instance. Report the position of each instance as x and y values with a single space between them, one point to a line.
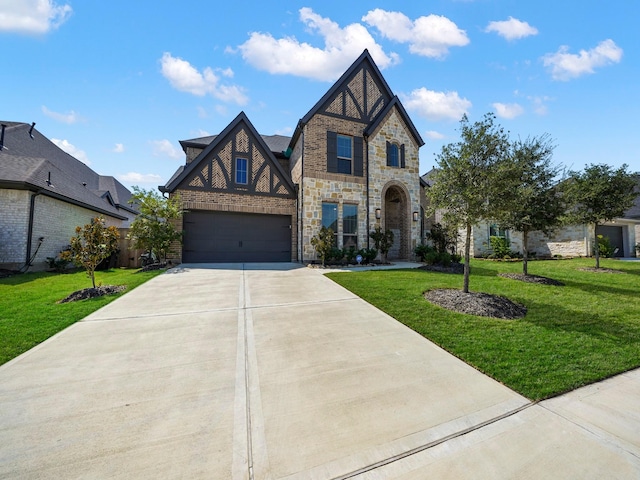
272 371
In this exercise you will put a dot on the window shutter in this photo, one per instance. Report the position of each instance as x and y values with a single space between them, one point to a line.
358 169
332 152
388 154
402 164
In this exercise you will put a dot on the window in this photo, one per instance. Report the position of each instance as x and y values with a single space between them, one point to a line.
330 219
350 226
496 231
345 154
241 170
393 157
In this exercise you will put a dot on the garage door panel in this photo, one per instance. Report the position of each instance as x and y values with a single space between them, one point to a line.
212 237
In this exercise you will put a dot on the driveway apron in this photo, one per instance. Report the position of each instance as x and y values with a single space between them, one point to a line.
272 371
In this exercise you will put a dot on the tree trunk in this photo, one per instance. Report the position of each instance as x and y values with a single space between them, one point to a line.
467 248
525 254
596 245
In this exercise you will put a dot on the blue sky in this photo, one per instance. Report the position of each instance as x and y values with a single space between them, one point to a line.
117 84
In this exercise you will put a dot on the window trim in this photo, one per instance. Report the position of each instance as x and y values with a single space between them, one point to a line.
238 171
341 159
498 230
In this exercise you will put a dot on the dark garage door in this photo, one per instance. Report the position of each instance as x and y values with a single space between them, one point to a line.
615 237
222 237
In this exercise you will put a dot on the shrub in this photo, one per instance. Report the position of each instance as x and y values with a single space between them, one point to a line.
368 255
443 238
335 255
605 247
59 264
500 246
323 243
422 250
382 240
350 253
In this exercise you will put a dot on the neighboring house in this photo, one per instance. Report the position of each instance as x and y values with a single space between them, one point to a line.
351 164
45 193
567 241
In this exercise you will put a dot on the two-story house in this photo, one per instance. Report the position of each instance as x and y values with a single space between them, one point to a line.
351 164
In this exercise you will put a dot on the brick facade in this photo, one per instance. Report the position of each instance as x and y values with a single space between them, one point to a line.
53 220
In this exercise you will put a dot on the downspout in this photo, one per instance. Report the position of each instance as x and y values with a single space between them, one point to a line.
366 144
301 209
32 207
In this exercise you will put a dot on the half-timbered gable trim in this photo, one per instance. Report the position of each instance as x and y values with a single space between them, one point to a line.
236 161
377 123
360 94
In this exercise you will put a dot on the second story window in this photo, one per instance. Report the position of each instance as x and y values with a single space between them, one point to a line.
393 158
241 171
345 154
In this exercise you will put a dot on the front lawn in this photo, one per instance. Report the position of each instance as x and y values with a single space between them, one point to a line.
29 313
572 335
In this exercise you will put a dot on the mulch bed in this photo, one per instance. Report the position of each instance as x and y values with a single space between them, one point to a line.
93 293
481 304
457 268
152 266
531 279
599 270
7 273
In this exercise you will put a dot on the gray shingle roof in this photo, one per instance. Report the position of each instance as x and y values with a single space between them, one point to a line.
28 161
278 144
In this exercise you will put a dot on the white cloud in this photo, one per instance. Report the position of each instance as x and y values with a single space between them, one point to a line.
433 135
508 110
436 105
32 16
164 148
512 29
70 117
565 66
119 148
186 78
540 104
135 178
289 56
429 36
72 150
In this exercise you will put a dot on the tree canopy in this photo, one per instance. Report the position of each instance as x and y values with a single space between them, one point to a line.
472 178
535 201
153 229
599 194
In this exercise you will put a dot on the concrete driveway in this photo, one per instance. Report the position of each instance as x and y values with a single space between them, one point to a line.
274 372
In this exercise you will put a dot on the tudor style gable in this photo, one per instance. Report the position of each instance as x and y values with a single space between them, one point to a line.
359 95
238 161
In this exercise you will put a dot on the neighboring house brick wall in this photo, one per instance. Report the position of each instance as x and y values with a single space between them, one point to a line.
14 223
56 221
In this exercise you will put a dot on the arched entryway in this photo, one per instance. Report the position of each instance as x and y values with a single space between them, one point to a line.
397 218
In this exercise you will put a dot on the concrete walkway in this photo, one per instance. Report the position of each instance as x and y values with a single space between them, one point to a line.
274 372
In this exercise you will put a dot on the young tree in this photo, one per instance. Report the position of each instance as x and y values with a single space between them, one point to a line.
537 203
599 194
472 178
383 241
153 229
323 243
92 243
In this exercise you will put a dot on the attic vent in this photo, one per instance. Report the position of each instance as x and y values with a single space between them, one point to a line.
31 129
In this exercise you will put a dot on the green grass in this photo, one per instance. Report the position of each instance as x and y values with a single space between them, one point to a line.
29 312
573 335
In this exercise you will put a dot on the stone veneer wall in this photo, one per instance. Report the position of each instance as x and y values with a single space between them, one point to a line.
233 202
570 241
393 129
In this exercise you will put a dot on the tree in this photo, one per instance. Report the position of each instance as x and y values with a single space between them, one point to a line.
383 241
91 245
599 194
153 229
469 182
323 243
536 201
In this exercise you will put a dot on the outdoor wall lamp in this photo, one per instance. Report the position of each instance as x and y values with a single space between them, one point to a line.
415 216
378 213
